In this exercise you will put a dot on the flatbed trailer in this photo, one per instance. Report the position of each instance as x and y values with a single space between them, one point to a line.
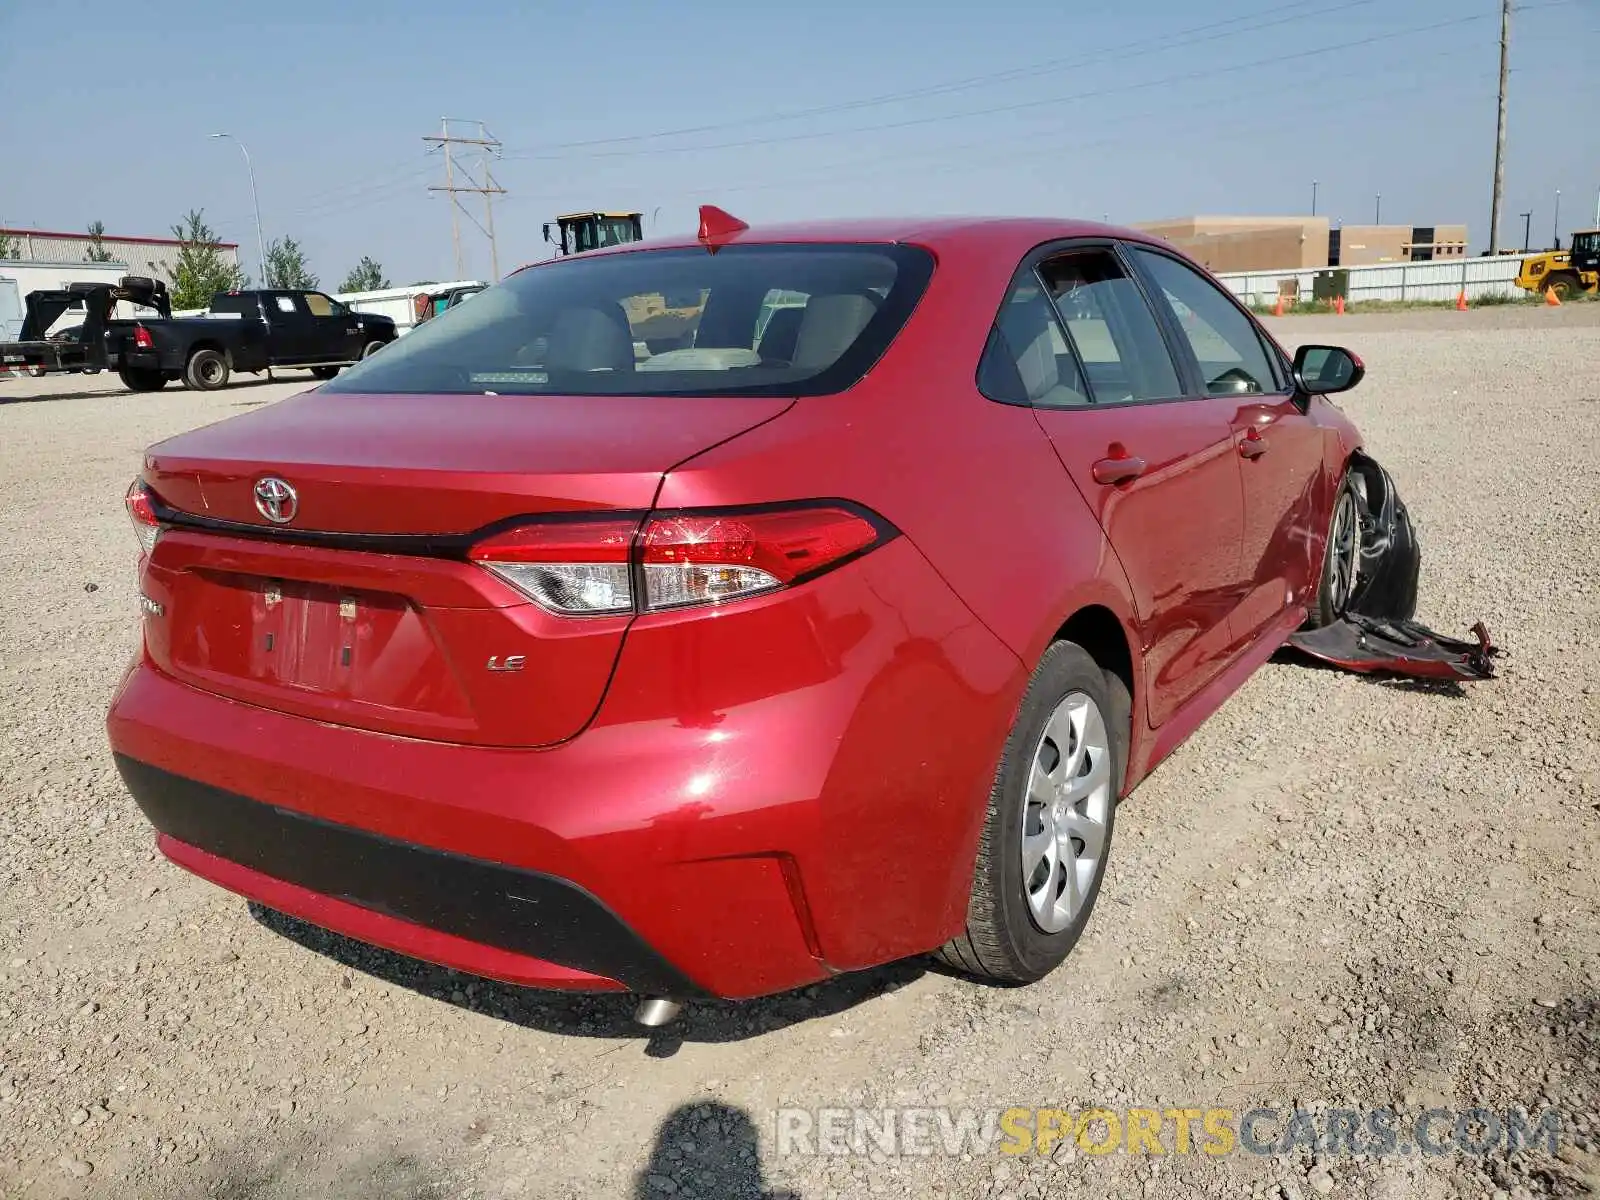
84 348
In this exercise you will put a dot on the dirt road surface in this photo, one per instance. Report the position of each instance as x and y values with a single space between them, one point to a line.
1340 894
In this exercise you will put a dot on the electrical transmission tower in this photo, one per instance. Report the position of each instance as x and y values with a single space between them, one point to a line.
488 146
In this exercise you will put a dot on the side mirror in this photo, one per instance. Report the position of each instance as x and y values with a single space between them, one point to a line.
1323 370
547 232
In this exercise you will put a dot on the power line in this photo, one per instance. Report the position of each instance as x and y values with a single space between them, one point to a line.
1182 37
1186 77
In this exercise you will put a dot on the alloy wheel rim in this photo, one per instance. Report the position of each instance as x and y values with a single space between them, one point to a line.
1066 813
1346 540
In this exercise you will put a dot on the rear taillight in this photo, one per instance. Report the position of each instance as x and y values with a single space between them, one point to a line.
142 338
143 515
675 560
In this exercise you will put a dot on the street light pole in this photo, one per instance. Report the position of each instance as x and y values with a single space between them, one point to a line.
1555 235
1377 210
1527 230
261 242
1313 197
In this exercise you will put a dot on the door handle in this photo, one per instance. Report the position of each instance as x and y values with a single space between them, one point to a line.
1117 470
1252 445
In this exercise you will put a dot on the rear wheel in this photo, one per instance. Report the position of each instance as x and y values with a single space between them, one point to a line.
1047 834
207 370
372 348
142 379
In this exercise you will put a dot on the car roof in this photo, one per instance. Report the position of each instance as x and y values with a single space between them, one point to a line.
1001 234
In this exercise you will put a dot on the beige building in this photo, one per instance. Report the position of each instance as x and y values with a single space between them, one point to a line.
1365 245
1247 243
155 257
1225 244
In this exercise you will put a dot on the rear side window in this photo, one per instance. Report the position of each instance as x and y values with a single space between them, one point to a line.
798 320
1224 340
1027 360
224 303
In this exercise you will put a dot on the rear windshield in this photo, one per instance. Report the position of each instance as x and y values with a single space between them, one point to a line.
746 320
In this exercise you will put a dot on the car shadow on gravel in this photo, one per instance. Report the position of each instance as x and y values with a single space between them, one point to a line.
600 1015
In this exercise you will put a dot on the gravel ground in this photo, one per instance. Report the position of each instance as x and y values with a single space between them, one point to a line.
1339 893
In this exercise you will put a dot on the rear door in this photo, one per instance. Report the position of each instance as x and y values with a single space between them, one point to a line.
1279 447
1157 469
291 336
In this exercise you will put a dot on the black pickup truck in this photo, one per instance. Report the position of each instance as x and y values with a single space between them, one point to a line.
250 331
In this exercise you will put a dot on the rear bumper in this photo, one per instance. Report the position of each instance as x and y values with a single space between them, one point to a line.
790 789
477 916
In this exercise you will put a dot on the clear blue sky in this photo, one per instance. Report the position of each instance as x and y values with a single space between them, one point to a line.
1136 109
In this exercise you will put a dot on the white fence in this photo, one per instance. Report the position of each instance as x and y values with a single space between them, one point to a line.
1390 281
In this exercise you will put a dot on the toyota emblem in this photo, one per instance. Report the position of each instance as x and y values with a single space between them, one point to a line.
276 500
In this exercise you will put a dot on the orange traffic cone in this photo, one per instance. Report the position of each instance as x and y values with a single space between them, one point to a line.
1278 310
1551 299
1338 305
1461 301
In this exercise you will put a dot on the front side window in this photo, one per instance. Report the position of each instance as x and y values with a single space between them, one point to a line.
748 320
1112 328
1224 340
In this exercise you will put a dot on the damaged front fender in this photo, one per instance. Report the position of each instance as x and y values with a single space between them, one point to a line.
1390 563
1377 633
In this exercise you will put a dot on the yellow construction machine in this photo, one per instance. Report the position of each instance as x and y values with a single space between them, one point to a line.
1565 274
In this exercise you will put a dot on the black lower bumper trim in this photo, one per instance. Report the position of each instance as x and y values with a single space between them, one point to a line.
525 912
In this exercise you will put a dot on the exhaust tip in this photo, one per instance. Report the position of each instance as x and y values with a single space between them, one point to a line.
656 1011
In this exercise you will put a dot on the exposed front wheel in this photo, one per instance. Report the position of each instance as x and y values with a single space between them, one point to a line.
1047 834
1341 558
207 370
142 379
372 348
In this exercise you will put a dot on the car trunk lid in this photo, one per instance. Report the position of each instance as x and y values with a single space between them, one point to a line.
361 607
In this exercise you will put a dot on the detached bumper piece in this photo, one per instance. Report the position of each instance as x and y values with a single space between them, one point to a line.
1378 635
1370 646
492 904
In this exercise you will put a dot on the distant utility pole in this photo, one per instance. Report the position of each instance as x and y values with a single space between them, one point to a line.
1377 209
1555 225
1527 230
1500 129
1313 197
489 188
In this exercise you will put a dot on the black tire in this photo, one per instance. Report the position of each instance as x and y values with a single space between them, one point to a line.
1565 286
324 372
142 379
372 348
206 371
1002 941
1333 595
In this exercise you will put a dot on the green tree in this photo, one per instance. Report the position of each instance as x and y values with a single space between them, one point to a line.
97 251
8 246
201 271
365 276
286 266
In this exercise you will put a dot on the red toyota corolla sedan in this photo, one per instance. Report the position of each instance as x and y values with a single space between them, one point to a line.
711 617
